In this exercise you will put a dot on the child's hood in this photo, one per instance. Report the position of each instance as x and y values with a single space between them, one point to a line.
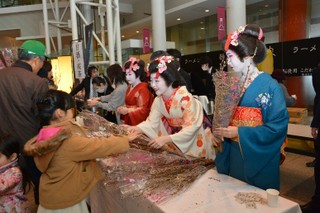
35 147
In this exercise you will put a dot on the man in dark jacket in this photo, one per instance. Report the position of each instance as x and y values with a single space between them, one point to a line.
314 205
21 88
87 83
202 81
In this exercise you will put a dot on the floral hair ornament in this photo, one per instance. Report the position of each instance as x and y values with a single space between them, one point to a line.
162 64
233 38
134 66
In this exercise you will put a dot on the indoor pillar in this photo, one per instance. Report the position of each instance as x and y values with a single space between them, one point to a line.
158 25
236 14
294 19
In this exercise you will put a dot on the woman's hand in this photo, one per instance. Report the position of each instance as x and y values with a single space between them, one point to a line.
133 135
228 132
215 140
157 143
93 102
123 110
133 129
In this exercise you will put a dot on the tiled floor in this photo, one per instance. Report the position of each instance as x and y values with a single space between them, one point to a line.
297 183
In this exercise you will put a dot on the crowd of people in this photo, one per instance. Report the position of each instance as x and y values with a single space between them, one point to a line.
42 143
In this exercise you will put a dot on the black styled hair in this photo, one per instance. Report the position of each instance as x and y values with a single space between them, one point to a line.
55 99
206 60
139 72
91 68
171 75
46 68
99 80
158 54
115 74
10 145
249 44
174 52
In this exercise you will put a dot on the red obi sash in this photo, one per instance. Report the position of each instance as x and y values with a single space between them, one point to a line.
247 116
250 116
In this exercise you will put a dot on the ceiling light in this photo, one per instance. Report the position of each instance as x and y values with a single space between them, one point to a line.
122 36
178 19
202 28
137 31
266 5
207 11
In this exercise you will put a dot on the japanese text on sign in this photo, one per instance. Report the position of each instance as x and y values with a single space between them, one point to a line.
78 61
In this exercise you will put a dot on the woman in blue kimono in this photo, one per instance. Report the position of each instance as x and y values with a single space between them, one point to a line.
252 141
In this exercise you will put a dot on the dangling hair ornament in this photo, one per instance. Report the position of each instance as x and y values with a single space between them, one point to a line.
260 36
147 70
233 38
134 66
162 64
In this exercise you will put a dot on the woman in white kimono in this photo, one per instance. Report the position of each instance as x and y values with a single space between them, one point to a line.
176 117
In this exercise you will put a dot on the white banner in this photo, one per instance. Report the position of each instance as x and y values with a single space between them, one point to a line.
78 61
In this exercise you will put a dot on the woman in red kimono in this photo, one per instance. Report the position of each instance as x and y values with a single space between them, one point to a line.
138 96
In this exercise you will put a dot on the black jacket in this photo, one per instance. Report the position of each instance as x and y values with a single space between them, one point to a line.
84 84
316 104
186 78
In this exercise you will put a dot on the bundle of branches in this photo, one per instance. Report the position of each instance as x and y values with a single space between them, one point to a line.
228 86
143 171
157 176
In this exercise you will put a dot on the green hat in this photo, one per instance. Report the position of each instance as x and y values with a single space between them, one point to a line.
34 47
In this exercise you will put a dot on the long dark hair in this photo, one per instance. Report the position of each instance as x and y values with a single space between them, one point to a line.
115 74
55 99
10 145
249 43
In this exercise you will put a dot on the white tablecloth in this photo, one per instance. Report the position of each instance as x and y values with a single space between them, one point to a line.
300 130
212 192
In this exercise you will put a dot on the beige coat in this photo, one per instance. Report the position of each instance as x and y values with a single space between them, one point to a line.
69 167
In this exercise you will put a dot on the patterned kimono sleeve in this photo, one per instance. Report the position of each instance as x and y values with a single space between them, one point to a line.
142 110
151 126
192 114
9 179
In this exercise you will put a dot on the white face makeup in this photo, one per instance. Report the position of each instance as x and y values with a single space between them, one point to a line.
158 84
131 77
234 62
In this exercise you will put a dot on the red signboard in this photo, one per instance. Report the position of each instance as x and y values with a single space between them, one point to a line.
146 40
221 23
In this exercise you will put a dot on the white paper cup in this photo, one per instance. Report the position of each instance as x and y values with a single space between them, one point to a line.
272 197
